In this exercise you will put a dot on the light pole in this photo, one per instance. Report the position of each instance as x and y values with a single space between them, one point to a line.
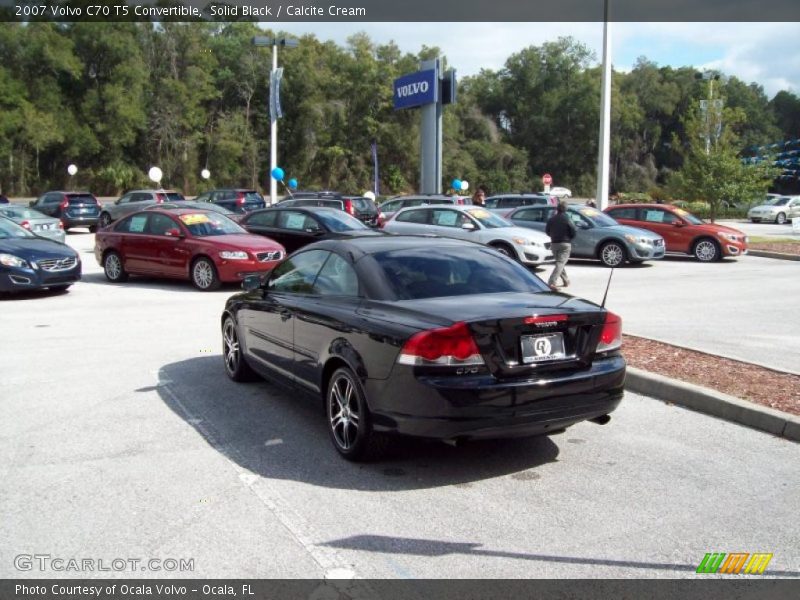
604 149
261 41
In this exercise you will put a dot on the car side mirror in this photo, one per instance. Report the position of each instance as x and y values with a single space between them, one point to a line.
582 225
251 283
469 226
174 232
31 203
678 224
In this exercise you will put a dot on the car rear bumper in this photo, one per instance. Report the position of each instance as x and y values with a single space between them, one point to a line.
471 407
80 221
19 279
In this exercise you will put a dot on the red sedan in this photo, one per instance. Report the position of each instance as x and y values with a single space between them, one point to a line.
682 232
205 247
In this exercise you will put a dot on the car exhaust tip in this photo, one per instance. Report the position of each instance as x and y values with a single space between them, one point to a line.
601 420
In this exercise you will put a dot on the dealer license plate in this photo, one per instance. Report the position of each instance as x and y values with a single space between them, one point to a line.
542 348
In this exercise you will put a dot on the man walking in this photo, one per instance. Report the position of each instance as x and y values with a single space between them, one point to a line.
561 231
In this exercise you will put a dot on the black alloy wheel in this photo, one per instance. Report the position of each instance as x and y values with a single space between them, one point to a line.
348 419
236 366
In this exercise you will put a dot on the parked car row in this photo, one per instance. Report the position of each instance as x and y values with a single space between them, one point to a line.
776 209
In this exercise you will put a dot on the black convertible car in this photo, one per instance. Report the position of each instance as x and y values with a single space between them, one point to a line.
427 337
29 262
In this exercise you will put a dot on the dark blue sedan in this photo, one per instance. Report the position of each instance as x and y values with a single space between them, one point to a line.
28 261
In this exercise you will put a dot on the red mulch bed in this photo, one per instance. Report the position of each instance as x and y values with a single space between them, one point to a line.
782 247
777 390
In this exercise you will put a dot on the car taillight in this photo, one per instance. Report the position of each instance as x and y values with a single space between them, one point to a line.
452 345
240 200
611 336
64 204
381 219
161 198
60 225
348 206
26 224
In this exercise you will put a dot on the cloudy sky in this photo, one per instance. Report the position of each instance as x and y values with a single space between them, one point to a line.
765 53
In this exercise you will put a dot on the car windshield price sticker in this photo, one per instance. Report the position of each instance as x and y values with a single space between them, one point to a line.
541 348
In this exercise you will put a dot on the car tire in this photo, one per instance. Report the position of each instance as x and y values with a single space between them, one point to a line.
348 419
236 366
104 220
706 250
113 268
613 254
780 219
505 250
93 229
204 275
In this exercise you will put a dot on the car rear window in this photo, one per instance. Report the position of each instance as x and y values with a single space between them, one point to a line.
339 221
364 205
175 197
415 274
81 199
252 196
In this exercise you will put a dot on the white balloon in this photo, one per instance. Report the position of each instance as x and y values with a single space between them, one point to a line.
155 174
205 173
370 195
72 169
464 185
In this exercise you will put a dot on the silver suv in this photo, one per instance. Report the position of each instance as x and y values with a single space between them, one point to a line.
134 201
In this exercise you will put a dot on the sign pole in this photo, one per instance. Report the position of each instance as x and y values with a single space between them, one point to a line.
430 179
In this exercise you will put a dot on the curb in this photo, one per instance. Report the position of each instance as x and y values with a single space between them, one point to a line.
768 254
712 402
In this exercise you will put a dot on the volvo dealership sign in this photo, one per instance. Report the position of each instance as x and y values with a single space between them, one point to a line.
415 89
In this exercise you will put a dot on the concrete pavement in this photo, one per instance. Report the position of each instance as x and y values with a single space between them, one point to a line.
124 438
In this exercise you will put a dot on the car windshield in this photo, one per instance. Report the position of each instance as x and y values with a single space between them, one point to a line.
17 212
598 219
9 229
488 219
175 197
782 201
207 224
339 221
415 274
687 216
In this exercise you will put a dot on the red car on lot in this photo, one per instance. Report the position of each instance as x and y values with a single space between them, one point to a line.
682 232
205 247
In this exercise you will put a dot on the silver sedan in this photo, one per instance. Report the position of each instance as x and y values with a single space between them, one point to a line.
34 221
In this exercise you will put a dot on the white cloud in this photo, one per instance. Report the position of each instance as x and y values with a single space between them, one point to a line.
765 53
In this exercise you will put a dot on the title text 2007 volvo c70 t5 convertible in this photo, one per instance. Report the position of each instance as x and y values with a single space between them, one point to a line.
428 337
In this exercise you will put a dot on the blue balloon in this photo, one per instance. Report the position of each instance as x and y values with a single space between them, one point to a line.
277 174
456 184
293 183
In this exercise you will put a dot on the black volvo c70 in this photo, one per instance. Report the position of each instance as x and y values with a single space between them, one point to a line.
425 337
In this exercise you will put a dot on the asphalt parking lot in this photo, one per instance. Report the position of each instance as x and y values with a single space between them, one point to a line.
122 437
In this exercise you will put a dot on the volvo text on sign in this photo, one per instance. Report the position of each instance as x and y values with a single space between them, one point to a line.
415 89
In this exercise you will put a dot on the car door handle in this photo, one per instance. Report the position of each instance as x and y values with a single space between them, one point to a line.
285 314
